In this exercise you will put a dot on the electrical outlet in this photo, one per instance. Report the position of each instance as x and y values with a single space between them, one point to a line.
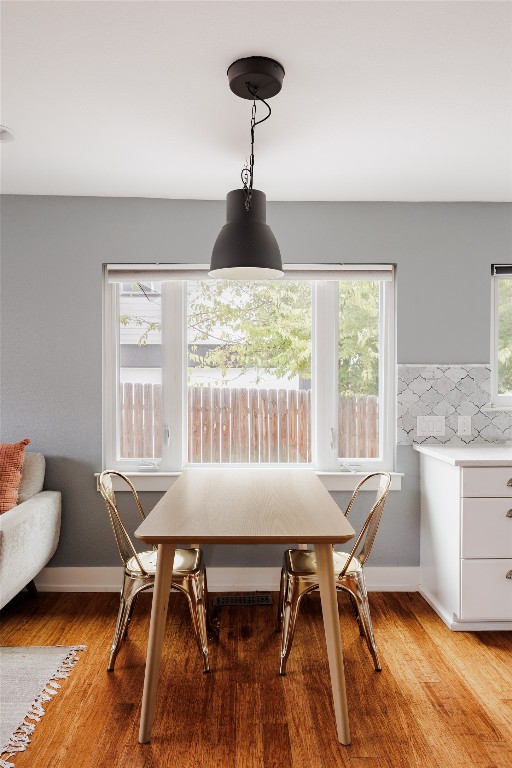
464 426
430 426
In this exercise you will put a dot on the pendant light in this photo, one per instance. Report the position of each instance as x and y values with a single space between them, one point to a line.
246 248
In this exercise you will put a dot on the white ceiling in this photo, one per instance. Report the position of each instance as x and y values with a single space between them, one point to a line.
381 100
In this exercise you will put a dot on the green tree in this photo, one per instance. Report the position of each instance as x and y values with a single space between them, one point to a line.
505 336
267 327
252 325
143 323
358 351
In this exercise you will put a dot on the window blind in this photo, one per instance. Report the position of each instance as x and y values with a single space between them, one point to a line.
501 270
131 273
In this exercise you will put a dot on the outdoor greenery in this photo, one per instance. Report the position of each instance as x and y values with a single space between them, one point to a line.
253 325
358 362
266 327
145 325
505 336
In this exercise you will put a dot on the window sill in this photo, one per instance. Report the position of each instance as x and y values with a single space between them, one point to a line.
333 481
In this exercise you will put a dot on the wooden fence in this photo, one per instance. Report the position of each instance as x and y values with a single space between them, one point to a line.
244 425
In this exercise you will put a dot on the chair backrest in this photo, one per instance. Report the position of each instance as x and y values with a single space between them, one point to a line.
366 537
124 543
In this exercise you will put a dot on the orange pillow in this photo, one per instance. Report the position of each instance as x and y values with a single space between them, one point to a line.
11 464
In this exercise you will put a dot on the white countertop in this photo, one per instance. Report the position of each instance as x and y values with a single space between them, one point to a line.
483 455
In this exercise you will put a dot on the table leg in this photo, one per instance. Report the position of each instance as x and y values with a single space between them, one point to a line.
325 571
159 606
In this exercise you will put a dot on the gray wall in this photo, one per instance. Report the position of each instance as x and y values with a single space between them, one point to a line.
51 323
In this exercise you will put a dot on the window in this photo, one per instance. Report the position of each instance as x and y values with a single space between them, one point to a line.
202 371
501 335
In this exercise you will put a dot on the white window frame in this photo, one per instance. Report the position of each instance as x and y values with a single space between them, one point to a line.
324 366
497 400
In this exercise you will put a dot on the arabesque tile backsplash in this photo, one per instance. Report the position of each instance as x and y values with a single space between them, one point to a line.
449 391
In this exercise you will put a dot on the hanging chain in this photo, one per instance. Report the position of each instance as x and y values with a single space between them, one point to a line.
247 174
248 169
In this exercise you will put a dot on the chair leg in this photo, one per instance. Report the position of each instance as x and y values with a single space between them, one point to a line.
280 601
130 614
355 609
196 593
366 620
212 614
202 608
292 598
128 594
116 642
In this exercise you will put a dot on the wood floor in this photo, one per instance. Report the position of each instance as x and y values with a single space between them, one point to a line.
442 700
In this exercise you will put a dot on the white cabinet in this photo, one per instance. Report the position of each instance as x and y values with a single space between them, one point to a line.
466 535
485 594
487 481
486 528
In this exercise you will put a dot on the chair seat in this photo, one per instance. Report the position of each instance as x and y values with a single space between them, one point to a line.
185 561
302 562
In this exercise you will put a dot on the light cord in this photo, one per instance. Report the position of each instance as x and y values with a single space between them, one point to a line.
247 174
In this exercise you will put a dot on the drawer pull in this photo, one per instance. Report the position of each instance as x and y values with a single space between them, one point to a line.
509 575
509 513
509 483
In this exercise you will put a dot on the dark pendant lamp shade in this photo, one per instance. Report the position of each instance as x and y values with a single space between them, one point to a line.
246 248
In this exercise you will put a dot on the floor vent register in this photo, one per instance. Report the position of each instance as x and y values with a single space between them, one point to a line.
247 598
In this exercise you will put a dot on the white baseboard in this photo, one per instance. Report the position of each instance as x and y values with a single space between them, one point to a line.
389 579
456 625
378 579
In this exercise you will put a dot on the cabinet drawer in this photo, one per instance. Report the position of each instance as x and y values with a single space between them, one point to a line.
486 529
487 481
486 593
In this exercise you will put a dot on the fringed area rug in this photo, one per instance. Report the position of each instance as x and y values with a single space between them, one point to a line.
28 679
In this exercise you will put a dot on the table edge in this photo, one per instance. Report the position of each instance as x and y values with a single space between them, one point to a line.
315 539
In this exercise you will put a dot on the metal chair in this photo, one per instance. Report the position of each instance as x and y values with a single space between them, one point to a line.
299 576
188 575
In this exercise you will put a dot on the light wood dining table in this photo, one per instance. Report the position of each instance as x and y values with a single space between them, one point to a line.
246 506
